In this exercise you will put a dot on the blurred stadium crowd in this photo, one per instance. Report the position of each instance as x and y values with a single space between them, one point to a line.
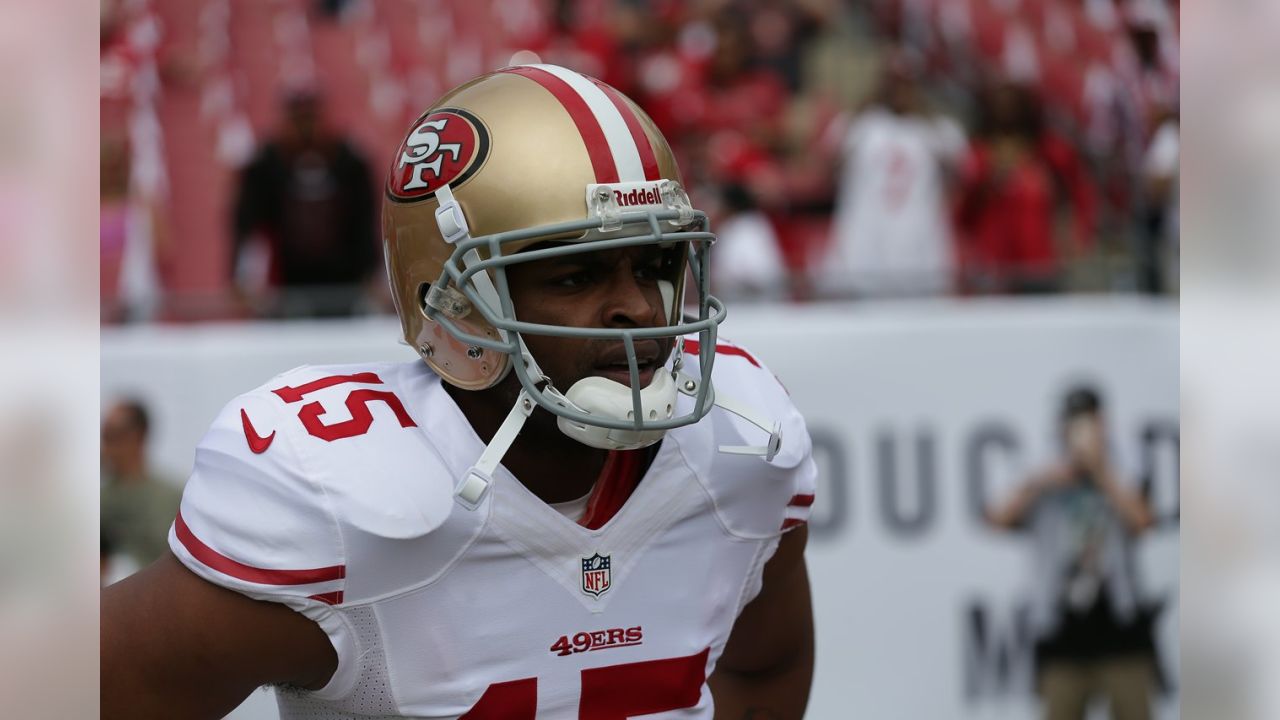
857 148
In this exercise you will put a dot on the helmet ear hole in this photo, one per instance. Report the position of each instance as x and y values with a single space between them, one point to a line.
423 289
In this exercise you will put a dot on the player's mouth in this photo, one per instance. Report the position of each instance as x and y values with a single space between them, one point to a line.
612 363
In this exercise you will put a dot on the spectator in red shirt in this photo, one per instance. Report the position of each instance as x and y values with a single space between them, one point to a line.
1012 182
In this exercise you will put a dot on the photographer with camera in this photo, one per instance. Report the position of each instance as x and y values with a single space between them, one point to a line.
1091 640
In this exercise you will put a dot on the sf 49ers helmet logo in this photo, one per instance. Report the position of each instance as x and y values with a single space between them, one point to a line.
445 146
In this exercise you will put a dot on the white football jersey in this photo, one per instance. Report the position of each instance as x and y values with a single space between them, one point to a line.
891 233
331 489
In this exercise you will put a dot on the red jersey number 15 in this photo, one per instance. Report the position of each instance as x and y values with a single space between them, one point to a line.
615 692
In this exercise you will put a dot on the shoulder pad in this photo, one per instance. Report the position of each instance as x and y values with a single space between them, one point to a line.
752 496
357 433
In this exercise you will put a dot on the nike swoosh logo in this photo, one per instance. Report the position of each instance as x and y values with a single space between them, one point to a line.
257 443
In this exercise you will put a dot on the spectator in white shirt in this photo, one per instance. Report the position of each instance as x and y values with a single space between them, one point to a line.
891 234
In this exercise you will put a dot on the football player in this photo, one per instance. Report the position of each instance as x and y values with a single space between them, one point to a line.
581 505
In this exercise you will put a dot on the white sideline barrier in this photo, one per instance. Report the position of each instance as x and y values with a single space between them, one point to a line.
919 411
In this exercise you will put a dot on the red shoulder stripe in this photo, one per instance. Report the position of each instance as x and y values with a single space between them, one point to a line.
248 573
694 346
801 500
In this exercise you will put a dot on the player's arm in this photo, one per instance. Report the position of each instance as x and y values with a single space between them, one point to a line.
767 665
253 548
177 646
1131 506
1013 512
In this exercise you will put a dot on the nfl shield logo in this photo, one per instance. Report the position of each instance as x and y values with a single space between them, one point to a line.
595 574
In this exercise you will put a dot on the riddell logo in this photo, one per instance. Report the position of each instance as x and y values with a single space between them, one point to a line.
598 640
638 196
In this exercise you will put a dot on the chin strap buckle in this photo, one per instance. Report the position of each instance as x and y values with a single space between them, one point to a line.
449 218
472 489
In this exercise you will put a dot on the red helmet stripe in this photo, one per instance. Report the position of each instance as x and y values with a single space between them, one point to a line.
602 163
647 157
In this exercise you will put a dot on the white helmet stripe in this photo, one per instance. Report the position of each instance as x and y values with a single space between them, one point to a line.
626 156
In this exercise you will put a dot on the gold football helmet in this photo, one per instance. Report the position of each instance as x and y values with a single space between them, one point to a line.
508 161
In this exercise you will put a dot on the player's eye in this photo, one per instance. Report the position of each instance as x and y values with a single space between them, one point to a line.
659 266
649 271
573 278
